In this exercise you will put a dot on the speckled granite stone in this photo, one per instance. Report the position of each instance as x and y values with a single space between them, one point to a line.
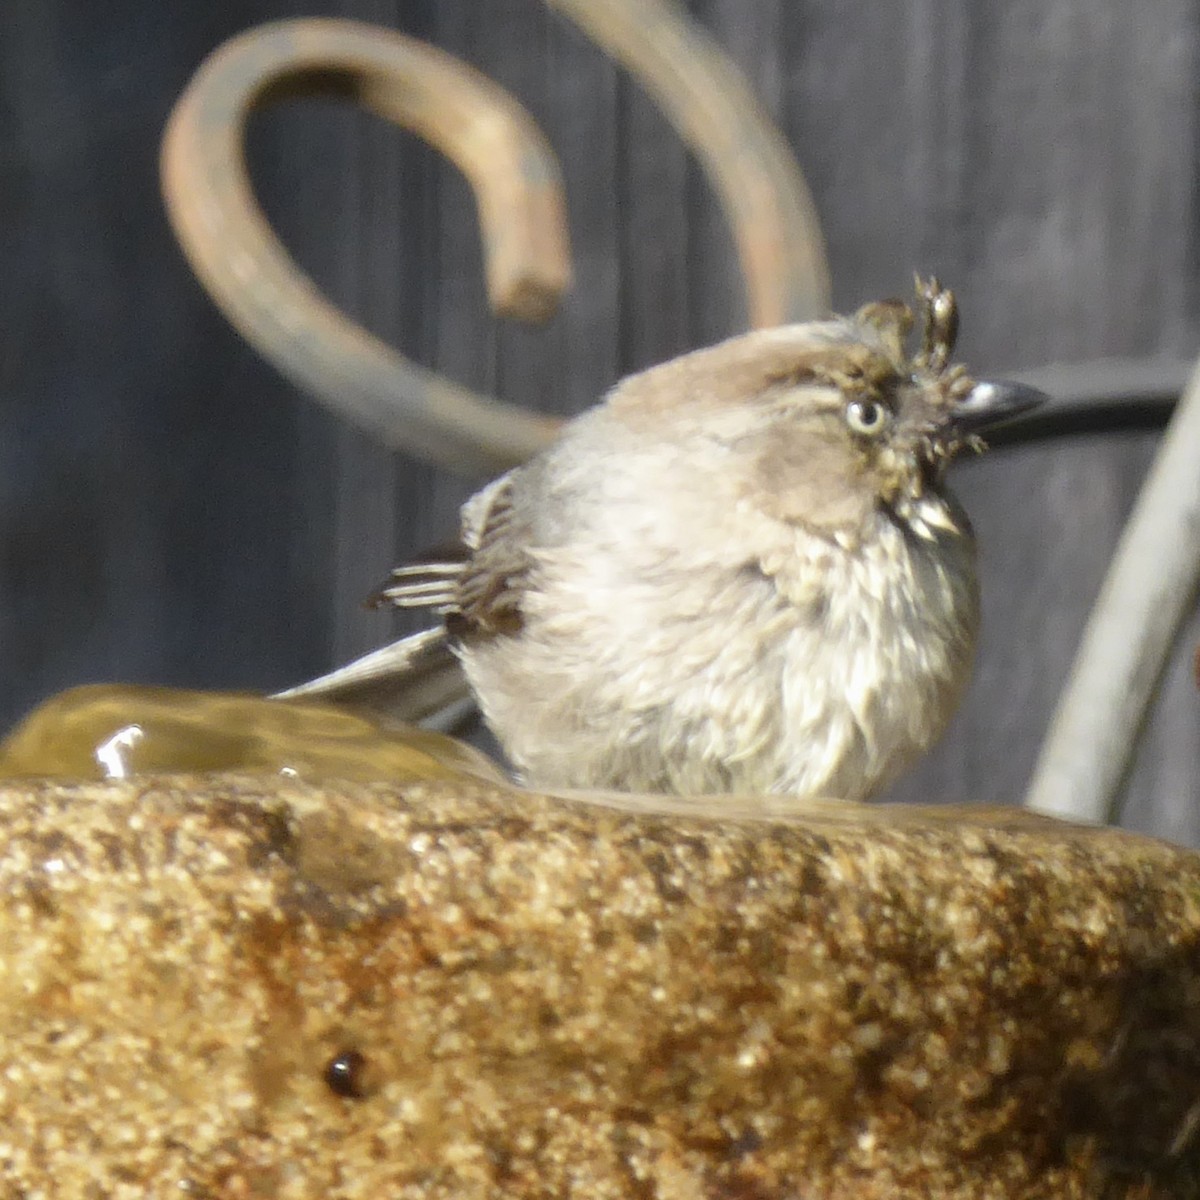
240 987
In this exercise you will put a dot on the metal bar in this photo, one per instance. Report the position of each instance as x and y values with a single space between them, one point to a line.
278 308
1150 587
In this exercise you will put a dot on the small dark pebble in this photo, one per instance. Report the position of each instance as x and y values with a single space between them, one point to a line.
346 1075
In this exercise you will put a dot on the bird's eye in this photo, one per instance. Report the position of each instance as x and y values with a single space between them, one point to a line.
867 417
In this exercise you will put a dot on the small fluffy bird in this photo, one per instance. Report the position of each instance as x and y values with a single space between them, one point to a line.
741 573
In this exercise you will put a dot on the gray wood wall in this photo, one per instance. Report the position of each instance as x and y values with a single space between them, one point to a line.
171 512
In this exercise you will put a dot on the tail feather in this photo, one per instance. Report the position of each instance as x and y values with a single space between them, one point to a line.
416 679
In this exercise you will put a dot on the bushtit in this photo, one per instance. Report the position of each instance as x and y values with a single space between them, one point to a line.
741 572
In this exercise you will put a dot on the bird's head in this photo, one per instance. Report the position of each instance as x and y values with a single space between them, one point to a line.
832 421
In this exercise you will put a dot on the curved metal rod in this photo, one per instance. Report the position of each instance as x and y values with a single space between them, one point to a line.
1150 586
761 189
278 308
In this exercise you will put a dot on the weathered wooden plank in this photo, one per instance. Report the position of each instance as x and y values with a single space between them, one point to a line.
579 111
752 36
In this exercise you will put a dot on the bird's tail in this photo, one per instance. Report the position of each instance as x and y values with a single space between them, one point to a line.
417 679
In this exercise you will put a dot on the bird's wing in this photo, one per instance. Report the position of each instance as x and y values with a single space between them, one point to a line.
475 588
492 580
476 591
426 583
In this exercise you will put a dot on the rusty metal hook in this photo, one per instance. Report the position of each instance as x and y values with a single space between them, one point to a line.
277 307
756 177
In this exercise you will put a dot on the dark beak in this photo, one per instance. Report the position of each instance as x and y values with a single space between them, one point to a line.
992 403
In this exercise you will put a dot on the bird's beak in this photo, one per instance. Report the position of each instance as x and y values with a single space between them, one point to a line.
992 403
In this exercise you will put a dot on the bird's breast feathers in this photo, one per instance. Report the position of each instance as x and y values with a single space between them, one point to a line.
808 667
